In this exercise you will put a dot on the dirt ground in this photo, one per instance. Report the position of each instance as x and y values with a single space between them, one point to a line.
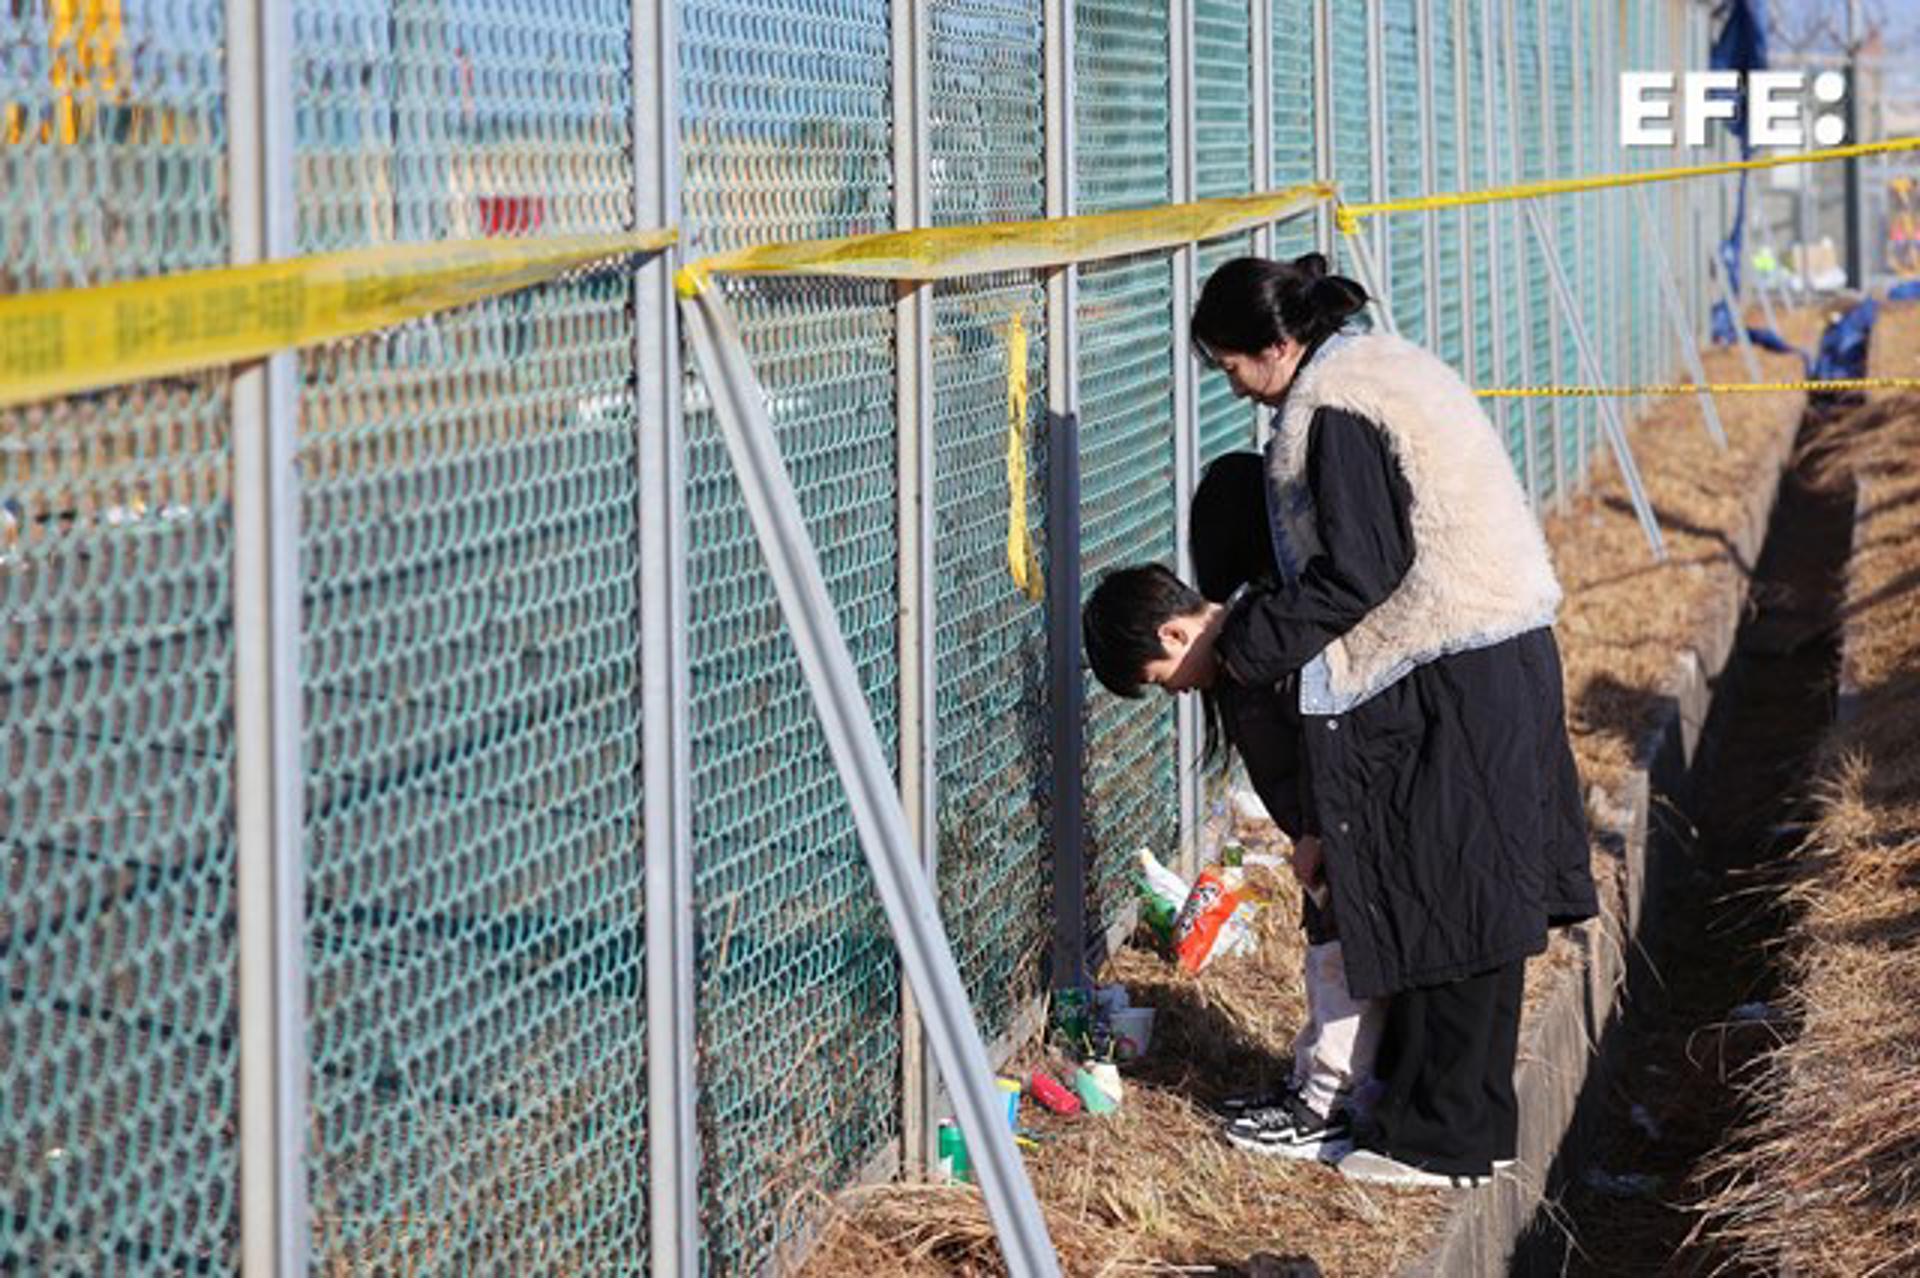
1155 1189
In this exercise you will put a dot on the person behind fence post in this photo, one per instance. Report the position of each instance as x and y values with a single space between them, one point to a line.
1333 1053
1413 615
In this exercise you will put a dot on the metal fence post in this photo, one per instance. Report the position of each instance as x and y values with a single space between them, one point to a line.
1324 234
1186 418
673 1149
1066 685
1463 227
1382 257
1260 38
1549 125
1523 300
270 887
1429 168
1496 259
1582 224
913 332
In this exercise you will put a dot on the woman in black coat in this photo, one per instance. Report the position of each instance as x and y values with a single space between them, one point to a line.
1414 617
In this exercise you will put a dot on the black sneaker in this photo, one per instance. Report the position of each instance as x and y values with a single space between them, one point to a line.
1235 1106
1292 1131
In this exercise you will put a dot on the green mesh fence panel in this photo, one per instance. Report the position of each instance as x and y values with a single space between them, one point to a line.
1291 59
1126 406
1401 130
1223 98
786 134
469 578
1226 424
117 1059
1223 165
987 114
1449 335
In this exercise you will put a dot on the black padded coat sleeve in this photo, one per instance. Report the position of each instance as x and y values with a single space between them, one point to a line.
1361 510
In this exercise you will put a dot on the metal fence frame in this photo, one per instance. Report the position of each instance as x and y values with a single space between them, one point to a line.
267 694
274 1211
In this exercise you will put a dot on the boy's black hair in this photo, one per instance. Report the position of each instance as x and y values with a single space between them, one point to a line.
1229 535
1121 623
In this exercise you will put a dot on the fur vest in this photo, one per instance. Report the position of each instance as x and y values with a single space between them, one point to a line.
1480 572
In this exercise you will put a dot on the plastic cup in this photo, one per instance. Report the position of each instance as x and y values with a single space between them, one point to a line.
1092 1095
1011 1086
1132 1032
954 1163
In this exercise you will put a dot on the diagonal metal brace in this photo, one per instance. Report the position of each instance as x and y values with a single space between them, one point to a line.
913 915
1677 315
1609 413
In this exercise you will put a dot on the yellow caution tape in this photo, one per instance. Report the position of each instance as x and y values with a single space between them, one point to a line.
942 253
1347 216
59 342
1828 385
1022 561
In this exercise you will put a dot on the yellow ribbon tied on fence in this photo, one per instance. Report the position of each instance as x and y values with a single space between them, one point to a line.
1022 560
952 252
59 342
1347 216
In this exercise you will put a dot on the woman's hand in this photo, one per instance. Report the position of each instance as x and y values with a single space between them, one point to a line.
1306 861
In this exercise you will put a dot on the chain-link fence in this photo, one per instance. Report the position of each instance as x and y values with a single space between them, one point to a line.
117 860
479 1084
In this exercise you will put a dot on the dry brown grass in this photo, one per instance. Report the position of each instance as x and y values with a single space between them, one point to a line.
1625 617
1827 1182
1155 1189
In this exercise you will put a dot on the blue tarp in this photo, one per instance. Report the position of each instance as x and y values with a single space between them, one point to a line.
1740 46
1843 347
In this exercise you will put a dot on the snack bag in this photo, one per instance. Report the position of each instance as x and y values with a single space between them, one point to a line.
1237 938
1208 907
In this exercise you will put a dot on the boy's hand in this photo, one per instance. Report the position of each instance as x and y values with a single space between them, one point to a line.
1306 860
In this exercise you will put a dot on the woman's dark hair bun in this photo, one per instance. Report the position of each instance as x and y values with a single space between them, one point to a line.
1336 295
1251 303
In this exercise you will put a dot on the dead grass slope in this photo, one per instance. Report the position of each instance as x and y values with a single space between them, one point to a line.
1827 1182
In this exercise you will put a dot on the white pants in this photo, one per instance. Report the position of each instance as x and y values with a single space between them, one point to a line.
1333 1053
